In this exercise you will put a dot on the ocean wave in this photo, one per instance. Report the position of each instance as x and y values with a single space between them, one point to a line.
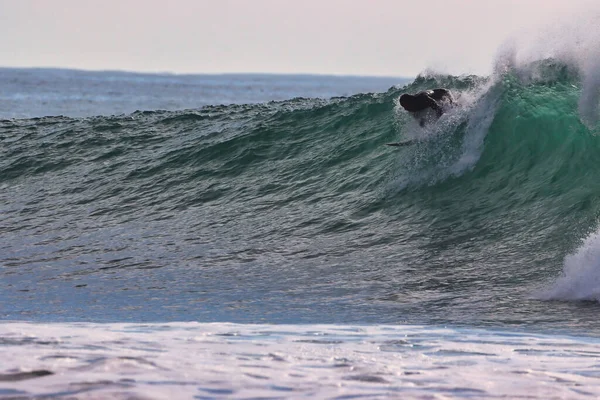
494 194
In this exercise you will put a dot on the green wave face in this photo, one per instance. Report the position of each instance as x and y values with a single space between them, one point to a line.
470 223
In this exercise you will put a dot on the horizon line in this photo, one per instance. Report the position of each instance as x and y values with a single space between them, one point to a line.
127 71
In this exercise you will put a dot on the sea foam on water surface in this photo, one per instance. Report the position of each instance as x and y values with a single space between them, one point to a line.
220 360
580 279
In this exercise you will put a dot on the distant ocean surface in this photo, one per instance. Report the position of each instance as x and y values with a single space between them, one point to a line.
252 236
38 92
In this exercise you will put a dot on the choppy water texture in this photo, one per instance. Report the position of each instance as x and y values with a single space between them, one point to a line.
295 212
213 361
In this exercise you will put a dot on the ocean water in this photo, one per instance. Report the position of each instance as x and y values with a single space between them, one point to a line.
38 92
253 236
223 361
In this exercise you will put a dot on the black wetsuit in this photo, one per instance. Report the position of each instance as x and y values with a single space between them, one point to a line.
419 103
426 99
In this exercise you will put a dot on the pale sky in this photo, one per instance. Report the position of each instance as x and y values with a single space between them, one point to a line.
348 37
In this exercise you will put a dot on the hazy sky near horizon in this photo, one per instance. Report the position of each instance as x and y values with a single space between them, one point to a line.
377 37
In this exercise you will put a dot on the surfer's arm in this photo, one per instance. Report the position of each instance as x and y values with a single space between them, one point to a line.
443 94
435 106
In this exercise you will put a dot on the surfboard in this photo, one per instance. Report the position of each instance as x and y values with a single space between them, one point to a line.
401 144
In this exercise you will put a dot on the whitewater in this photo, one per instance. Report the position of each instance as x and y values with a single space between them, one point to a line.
253 237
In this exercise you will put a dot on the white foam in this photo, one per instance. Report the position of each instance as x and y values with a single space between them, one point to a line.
482 106
580 279
183 360
573 40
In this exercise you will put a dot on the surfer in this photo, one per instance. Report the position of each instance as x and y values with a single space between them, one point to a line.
418 103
